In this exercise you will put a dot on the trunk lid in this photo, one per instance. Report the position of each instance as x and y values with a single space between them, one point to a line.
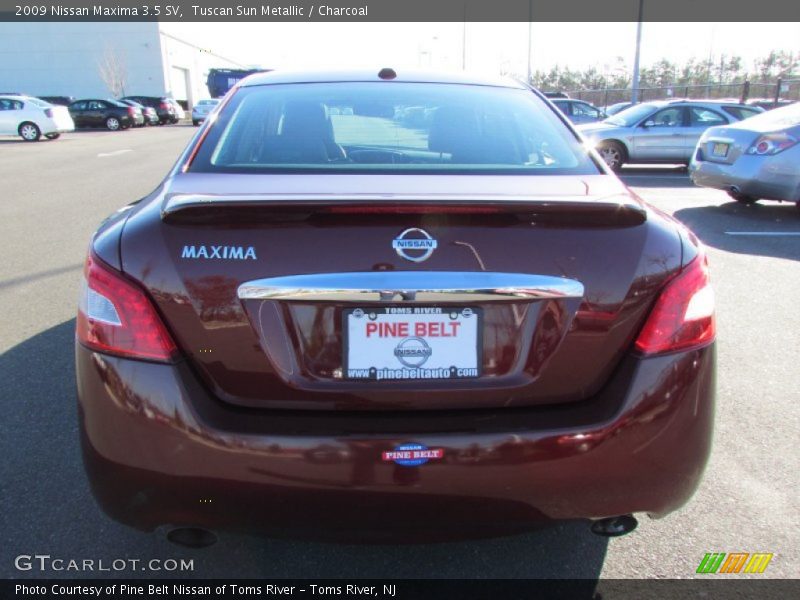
259 288
724 145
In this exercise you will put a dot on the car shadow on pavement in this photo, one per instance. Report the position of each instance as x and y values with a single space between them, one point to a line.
47 507
655 177
21 142
714 225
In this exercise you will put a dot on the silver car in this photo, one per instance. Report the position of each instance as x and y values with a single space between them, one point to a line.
757 158
660 132
202 109
579 111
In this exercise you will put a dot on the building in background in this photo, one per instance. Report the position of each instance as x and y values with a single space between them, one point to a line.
104 60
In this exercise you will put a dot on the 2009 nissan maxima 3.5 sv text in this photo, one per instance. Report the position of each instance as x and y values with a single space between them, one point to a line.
392 304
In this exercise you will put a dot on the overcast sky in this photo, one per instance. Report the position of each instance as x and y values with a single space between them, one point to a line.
489 46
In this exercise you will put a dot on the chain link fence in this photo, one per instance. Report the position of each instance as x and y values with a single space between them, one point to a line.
768 95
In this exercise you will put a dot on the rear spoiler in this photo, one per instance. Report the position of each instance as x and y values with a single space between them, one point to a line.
617 210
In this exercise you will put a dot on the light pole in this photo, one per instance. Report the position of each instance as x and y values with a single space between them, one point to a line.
464 41
635 82
530 36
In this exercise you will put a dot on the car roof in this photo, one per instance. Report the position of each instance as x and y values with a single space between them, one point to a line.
363 75
708 102
24 98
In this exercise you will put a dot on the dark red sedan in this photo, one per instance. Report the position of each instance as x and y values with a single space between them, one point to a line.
392 304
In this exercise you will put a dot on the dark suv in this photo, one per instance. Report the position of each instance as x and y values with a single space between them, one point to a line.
110 114
164 108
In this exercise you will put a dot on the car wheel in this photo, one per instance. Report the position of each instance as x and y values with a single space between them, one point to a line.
742 198
113 124
29 132
613 154
52 136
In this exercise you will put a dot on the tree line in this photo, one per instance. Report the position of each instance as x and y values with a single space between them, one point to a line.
722 70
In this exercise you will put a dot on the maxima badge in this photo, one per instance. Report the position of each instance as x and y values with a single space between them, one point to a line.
412 242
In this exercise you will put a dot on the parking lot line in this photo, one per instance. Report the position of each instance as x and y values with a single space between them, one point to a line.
765 233
114 153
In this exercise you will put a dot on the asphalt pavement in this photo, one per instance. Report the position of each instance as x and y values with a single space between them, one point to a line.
53 194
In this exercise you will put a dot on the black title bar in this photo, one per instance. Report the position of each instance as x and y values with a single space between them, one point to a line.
370 589
402 10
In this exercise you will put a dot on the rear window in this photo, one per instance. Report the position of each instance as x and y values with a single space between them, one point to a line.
632 115
389 127
740 112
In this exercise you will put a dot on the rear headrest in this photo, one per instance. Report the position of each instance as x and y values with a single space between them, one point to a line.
306 119
452 127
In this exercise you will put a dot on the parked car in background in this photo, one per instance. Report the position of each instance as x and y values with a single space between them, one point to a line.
661 131
179 111
31 118
149 113
58 100
555 94
111 114
201 110
618 107
758 158
579 111
165 110
382 363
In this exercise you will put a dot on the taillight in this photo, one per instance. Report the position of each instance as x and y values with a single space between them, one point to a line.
772 143
165 106
683 316
117 317
132 111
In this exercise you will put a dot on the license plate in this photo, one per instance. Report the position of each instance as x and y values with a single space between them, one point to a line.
720 150
412 343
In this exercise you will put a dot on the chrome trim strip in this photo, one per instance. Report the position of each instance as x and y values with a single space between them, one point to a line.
176 202
411 286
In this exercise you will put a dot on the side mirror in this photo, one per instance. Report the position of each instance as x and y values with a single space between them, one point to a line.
649 123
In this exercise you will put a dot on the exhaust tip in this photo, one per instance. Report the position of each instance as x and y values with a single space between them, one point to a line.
192 537
615 526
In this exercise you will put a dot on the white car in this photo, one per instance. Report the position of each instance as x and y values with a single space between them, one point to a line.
31 118
179 112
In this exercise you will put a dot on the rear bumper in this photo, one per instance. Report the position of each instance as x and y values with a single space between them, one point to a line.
158 450
49 126
771 178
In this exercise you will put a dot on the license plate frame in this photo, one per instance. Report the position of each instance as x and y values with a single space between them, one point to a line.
411 365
